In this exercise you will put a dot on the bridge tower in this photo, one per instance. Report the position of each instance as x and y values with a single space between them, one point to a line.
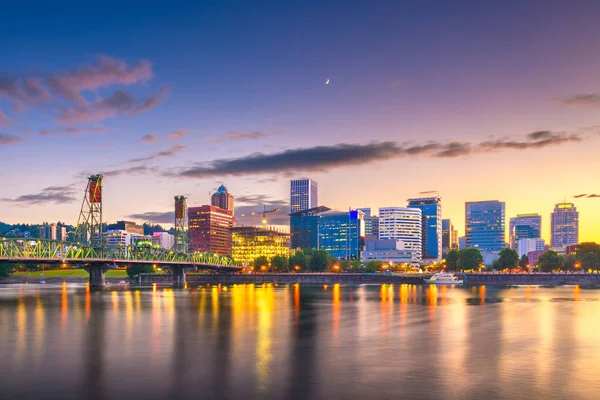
180 243
89 224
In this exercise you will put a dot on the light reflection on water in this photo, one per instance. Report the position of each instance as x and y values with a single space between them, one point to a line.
298 341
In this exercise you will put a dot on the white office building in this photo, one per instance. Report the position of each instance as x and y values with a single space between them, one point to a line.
404 225
303 194
527 245
163 239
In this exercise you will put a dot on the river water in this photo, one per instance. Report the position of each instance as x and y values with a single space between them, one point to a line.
299 342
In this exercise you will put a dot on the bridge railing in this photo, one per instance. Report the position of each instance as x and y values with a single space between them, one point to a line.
58 250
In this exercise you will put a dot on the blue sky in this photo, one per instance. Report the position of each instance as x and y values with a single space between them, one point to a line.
240 78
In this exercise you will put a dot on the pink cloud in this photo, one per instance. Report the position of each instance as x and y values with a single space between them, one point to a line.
3 119
178 134
150 138
105 72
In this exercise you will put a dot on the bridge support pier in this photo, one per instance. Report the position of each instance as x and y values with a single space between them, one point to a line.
97 275
179 272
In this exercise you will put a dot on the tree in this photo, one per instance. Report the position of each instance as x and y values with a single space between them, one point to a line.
550 261
135 270
588 255
6 270
452 260
570 262
524 261
345 265
373 266
299 259
280 263
319 261
469 258
509 258
261 263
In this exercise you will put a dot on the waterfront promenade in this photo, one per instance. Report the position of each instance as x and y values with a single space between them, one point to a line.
485 278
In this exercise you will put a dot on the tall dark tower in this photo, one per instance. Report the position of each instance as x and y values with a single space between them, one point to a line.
180 243
222 198
89 224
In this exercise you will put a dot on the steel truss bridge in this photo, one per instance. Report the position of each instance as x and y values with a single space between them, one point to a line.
100 259
89 250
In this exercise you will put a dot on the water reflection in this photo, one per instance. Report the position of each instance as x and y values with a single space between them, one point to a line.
267 341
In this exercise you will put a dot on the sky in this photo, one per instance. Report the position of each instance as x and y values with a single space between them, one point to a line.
474 100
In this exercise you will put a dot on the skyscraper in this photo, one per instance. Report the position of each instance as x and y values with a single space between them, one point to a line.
403 224
341 234
222 199
484 225
303 194
304 228
431 212
371 224
449 236
209 230
565 225
524 226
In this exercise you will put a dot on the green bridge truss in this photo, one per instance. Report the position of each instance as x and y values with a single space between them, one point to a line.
41 250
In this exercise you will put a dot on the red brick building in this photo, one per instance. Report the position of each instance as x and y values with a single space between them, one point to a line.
223 199
209 230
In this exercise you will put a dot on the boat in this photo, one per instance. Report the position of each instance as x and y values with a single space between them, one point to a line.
444 278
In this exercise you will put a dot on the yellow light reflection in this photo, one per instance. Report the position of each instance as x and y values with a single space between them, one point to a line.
336 308
265 304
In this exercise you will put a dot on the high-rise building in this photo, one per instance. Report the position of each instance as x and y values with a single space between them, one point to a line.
403 224
449 236
303 194
484 225
129 226
251 242
342 234
304 228
163 239
209 230
524 226
431 219
53 232
222 199
525 246
371 224
565 225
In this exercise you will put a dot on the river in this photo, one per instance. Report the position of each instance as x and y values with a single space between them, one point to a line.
299 342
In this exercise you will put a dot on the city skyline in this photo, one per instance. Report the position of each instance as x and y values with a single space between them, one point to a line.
142 106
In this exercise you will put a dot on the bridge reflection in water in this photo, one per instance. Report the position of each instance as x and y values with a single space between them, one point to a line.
298 341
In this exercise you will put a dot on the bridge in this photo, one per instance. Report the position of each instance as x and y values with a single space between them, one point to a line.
92 253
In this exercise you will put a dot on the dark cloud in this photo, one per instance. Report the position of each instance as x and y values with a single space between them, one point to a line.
585 99
178 134
153 217
259 200
579 195
241 136
593 196
165 153
586 196
150 138
533 140
7 138
428 192
323 158
308 159
49 195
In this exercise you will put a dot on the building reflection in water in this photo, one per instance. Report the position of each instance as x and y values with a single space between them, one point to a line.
299 341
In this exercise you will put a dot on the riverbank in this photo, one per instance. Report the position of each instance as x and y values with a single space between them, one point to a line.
61 275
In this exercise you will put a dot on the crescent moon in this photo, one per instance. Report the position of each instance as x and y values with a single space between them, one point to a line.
327 82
